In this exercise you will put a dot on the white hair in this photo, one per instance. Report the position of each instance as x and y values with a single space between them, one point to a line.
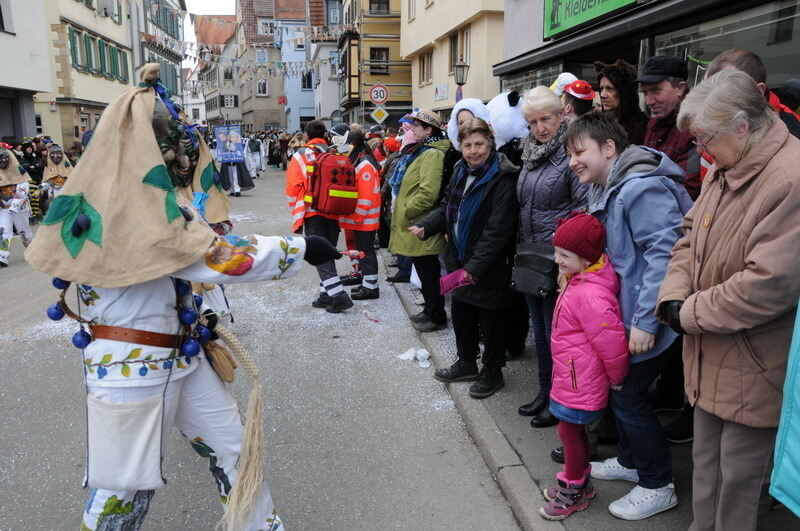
540 99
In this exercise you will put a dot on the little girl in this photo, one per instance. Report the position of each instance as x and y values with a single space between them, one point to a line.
590 354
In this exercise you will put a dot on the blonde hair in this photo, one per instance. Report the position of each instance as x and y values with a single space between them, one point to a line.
540 99
724 101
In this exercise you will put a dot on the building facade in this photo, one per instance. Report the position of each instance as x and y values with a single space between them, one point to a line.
435 36
194 102
163 19
259 89
89 45
326 75
546 37
217 75
24 72
369 54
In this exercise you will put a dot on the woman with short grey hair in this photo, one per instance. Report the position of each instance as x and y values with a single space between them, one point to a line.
732 289
546 190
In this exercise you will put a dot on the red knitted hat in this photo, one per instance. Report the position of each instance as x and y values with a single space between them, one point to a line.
581 234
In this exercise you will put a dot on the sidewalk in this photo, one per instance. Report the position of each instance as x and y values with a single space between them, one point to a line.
518 455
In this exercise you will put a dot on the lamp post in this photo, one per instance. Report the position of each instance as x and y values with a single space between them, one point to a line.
460 72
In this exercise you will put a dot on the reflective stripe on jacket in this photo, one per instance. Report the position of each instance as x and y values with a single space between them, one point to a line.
368 207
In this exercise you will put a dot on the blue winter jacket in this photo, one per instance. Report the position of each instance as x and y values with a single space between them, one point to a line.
642 207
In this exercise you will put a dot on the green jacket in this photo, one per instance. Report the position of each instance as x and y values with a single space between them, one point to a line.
419 194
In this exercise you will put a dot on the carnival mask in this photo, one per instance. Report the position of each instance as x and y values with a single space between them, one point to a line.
4 159
177 148
56 155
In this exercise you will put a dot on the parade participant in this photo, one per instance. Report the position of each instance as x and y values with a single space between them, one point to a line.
56 172
15 209
332 295
145 369
253 155
590 354
363 223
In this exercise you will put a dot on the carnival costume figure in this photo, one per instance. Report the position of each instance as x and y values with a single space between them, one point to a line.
56 172
149 359
15 208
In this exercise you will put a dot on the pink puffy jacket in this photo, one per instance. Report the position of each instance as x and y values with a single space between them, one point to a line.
588 343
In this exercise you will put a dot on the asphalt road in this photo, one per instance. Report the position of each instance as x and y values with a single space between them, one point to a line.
356 438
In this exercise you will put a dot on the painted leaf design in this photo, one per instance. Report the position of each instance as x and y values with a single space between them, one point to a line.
135 353
88 361
153 366
207 177
126 370
294 250
173 211
159 177
107 358
181 365
91 371
65 210
59 208
284 245
148 357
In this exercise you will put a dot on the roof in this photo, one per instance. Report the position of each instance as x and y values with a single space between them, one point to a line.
290 9
263 8
214 29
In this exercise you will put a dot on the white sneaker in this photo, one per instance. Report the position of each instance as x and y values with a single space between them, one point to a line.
610 470
641 503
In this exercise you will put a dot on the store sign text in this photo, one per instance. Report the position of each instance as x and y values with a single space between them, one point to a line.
563 15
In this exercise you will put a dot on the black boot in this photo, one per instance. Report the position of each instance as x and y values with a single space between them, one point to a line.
339 303
361 293
351 279
535 407
460 371
489 382
322 301
544 419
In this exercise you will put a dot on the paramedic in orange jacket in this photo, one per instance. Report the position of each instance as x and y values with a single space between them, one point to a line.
332 295
364 221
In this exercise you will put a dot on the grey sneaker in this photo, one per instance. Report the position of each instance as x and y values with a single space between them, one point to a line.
611 470
641 503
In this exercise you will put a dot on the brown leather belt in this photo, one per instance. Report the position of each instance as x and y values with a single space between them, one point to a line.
141 337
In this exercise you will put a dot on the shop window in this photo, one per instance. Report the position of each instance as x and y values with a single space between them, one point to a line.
379 61
769 30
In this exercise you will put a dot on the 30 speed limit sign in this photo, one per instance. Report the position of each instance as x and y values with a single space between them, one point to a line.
378 94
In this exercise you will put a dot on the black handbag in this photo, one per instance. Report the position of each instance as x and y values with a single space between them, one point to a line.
535 271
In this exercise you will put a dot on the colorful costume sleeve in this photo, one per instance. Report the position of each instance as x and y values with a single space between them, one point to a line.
247 259
19 203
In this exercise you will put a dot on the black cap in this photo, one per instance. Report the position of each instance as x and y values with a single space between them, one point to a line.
660 67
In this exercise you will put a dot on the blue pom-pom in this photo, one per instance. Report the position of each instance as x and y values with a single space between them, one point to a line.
203 334
198 300
188 316
55 312
81 339
60 284
181 287
190 347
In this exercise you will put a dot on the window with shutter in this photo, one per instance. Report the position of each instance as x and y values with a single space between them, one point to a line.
235 100
123 62
73 46
101 55
114 61
87 45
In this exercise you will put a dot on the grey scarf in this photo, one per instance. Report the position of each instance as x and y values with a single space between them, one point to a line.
534 152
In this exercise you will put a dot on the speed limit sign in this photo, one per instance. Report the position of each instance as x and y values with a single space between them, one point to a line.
378 94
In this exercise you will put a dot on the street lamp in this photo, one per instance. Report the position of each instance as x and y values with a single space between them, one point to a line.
460 71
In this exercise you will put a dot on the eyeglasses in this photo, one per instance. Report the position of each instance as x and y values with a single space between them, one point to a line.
704 145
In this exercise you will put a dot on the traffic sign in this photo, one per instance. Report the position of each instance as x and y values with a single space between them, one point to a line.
379 115
378 94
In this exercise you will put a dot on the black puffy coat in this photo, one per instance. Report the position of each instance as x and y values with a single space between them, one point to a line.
491 242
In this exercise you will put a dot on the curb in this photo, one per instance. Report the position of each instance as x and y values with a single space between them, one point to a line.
521 491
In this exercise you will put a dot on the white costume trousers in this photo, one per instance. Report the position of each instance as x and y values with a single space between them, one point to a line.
234 173
204 411
9 220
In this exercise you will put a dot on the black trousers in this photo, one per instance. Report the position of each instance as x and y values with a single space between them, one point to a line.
470 321
428 271
328 229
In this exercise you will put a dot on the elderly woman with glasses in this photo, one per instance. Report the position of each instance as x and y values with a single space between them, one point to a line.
547 189
732 287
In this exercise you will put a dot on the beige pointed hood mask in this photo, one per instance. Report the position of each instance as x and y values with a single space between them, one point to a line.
13 173
117 221
60 170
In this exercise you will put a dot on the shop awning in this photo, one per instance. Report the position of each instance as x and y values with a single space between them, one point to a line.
640 20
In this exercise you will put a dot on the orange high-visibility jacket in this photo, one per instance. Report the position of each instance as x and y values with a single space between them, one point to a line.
368 207
301 166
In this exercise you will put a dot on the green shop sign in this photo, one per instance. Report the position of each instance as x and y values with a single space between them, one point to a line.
564 15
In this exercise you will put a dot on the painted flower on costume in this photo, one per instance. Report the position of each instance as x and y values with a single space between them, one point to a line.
232 255
288 250
135 362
